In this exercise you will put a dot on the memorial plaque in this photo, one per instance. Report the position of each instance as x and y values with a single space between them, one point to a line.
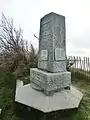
59 54
44 55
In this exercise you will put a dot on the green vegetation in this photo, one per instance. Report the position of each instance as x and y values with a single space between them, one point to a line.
16 111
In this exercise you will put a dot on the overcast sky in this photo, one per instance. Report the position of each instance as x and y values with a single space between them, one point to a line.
27 14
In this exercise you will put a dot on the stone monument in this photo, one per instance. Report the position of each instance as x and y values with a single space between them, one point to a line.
50 82
51 74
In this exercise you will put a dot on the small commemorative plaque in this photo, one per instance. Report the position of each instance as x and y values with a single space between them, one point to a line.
59 54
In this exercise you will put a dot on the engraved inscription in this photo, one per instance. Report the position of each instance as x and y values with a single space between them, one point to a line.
44 55
59 54
38 79
37 76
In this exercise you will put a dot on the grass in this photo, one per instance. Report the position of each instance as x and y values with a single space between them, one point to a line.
15 111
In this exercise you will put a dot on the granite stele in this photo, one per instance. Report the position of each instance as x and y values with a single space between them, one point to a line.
50 88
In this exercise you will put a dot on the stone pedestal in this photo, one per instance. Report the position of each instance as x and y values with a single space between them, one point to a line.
50 82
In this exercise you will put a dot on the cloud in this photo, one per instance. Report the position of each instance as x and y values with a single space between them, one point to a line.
27 14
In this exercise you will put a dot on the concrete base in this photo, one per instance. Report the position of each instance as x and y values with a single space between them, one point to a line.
65 99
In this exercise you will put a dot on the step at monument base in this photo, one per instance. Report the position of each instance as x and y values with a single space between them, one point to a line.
65 99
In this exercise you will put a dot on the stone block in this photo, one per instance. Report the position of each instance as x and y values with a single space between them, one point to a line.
50 82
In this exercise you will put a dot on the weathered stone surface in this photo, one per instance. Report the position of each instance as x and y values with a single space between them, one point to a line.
44 55
50 81
65 99
52 39
57 66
